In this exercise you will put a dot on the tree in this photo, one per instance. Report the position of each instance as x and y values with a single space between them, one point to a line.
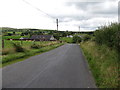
57 36
13 33
77 39
9 34
86 37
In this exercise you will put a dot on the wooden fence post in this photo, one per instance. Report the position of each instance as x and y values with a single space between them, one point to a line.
2 43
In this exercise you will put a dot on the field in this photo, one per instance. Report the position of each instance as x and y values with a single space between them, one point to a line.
66 39
26 44
10 52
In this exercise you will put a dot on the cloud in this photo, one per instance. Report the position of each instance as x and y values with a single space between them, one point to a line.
82 5
71 14
94 14
119 11
96 7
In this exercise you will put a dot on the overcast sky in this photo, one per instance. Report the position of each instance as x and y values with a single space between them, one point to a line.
42 14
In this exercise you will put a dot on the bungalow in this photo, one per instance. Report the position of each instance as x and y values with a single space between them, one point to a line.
70 36
43 38
24 39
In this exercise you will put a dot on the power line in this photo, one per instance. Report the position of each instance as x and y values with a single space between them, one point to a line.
41 11
38 9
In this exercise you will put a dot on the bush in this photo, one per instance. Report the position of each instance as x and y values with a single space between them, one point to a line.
10 34
86 37
77 39
109 35
18 47
117 41
35 46
92 38
57 36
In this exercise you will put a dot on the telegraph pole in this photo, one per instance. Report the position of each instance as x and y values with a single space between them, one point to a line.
79 28
57 23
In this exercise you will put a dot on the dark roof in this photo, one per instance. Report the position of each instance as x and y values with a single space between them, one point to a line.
41 37
25 38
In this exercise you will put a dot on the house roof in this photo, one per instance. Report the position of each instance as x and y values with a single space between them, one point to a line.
41 36
24 38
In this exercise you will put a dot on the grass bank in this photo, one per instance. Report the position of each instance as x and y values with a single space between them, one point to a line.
13 58
103 63
9 44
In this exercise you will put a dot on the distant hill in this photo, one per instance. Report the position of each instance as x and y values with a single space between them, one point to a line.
8 29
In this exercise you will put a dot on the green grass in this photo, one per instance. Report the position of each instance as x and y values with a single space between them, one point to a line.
15 32
13 37
10 52
8 44
103 63
13 58
66 39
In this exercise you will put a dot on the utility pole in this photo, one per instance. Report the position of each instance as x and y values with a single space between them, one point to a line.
57 23
79 28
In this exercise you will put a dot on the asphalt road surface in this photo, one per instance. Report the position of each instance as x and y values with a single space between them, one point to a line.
63 67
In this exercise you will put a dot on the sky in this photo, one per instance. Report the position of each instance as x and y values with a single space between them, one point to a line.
42 14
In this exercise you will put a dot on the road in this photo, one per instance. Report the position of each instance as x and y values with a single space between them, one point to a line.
63 67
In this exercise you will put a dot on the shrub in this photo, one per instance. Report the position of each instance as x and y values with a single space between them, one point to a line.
103 63
92 38
109 35
117 41
77 39
57 36
18 47
10 34
35 46
86 37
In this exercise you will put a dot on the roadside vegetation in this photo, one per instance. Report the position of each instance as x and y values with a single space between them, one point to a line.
109 35
76 39
102 50
103 63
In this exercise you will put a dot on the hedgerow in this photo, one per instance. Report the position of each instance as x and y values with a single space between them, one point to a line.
109 35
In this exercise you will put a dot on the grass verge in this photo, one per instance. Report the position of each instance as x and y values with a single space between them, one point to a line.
103 63
13 58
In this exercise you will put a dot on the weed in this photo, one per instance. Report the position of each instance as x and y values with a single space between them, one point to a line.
18 47
103 62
